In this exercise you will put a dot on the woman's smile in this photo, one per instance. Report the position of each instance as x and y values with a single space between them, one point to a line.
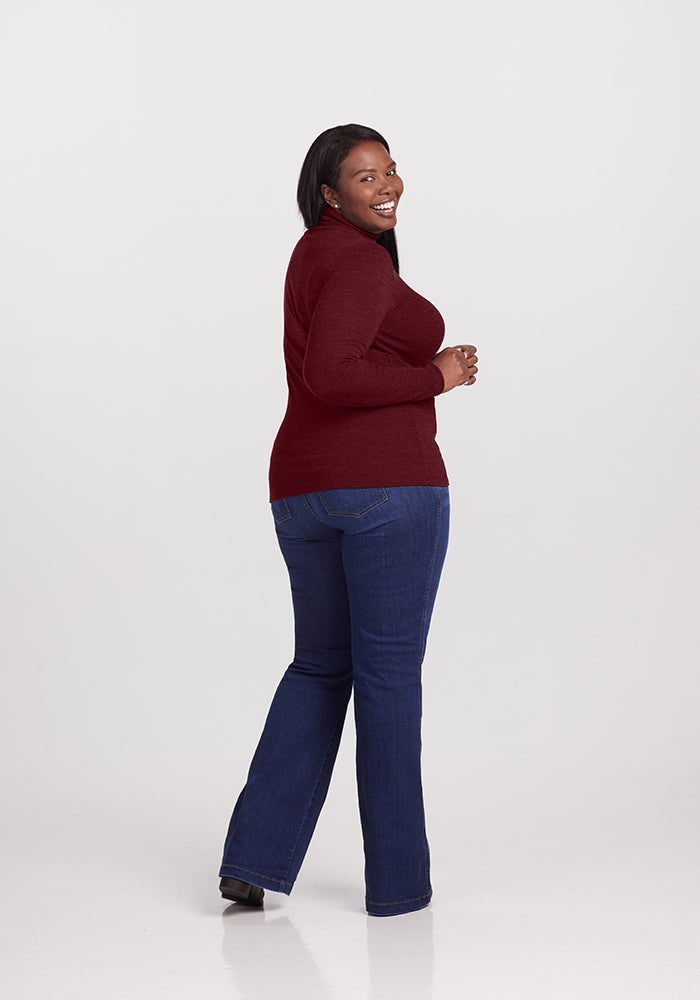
387 208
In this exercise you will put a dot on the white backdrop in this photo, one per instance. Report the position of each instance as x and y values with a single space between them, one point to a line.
150 153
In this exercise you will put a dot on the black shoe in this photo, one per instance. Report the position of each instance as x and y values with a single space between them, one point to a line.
241 892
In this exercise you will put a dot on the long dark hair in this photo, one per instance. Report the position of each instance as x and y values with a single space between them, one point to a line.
322 166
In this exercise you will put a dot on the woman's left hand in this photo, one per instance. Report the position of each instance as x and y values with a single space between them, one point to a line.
469 351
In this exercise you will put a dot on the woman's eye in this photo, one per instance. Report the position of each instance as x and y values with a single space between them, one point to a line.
370 177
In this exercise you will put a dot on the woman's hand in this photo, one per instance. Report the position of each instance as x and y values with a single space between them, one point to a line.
458 365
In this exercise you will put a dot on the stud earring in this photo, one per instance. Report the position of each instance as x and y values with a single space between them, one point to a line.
336 206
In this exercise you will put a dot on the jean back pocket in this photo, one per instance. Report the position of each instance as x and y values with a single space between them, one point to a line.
280 510
352 502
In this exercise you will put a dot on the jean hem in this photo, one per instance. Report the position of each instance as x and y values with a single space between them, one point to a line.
255 878
394 909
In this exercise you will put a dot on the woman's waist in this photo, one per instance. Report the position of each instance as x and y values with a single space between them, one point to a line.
307 458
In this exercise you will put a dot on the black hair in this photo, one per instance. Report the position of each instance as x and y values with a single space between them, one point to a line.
322 166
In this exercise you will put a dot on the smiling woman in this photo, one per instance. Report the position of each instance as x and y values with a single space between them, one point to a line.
368 188
327 177
360 503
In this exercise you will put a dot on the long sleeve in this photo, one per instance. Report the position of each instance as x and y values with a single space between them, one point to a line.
338 362
358 344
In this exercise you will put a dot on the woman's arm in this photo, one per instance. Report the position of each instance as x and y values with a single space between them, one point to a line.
340 365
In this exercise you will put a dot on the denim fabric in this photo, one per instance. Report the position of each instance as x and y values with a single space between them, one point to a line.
364 566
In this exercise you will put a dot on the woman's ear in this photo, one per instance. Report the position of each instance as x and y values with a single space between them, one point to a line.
330 196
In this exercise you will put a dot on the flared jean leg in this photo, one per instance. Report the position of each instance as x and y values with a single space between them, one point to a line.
277 810
391 611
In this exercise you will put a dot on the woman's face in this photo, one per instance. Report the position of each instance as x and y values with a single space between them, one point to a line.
368 188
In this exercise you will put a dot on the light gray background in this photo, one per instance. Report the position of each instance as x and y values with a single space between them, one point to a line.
149 160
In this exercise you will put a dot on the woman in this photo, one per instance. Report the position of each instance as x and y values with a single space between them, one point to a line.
360 502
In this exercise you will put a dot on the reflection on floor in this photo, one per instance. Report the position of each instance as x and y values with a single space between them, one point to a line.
560 894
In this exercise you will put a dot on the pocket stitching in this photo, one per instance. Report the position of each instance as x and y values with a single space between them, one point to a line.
365 510
286 516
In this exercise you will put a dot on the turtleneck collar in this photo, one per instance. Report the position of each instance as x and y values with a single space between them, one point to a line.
332 216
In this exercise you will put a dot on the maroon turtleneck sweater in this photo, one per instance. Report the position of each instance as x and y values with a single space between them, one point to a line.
357 345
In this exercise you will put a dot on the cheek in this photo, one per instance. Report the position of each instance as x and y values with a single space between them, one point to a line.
355 194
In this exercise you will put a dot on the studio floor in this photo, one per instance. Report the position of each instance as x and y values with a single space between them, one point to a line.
568 898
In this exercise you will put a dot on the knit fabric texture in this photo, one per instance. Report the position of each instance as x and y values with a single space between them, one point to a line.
357 345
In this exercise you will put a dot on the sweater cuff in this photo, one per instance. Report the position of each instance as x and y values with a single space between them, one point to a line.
439 380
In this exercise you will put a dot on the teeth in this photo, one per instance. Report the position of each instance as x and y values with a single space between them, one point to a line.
385 206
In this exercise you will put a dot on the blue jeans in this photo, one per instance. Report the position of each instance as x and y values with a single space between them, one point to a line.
364 566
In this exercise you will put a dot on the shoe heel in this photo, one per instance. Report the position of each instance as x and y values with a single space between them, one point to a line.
241 892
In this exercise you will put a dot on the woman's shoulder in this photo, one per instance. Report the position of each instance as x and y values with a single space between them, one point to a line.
326 249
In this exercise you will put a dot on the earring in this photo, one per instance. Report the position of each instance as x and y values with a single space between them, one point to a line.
336 206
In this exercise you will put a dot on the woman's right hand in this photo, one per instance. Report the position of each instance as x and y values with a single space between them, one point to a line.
458 365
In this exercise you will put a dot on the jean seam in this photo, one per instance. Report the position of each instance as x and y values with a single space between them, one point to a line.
399 902
430 575
339 720
280 881
422 653
312 511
